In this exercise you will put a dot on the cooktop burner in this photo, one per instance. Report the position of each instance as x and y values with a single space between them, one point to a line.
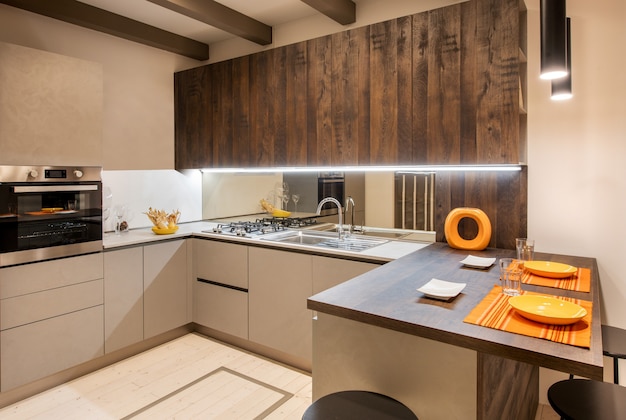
261 226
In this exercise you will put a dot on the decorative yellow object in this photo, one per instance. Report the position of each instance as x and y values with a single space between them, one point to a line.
161 219
165 231
451 229
281 213
51 209
267 206
548 310
550 269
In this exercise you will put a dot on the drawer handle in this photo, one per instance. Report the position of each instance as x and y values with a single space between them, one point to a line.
228 286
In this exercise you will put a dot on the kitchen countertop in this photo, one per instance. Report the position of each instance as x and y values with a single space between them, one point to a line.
386 252
387 298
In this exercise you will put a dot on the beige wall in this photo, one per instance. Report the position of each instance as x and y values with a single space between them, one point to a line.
576 174
577 178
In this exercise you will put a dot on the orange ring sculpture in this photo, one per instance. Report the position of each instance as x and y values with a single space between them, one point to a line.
451 229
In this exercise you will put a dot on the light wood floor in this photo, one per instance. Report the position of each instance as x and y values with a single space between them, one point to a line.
190 377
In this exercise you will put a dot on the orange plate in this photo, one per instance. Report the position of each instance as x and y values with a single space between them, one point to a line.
550 269
547 310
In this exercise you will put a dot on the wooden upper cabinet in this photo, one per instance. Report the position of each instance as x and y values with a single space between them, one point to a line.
439 87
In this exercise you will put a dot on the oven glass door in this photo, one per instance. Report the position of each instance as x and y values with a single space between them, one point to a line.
330 187
36 216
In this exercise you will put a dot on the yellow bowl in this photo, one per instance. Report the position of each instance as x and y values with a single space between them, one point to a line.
547 309
51 209
550 269
281 213
165 231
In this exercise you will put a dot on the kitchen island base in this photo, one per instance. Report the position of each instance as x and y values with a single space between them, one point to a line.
434 379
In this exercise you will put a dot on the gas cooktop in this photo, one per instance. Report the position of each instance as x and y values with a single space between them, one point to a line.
261 226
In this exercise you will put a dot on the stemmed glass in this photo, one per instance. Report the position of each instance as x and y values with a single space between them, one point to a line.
285 195
295 198
119 212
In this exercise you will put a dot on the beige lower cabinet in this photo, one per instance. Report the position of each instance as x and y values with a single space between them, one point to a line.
51 317
329 272
165 287
280 283
123 297
221 286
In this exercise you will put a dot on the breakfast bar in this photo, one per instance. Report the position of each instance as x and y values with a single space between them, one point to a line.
377 332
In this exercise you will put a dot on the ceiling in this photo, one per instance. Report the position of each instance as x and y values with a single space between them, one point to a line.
188 27
270 12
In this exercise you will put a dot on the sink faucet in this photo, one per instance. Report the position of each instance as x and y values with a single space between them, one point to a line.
339 212
350 202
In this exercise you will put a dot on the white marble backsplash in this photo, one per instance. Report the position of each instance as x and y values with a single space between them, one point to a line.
160 189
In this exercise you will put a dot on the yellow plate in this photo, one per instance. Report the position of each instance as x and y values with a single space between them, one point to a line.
51 209
281 213
547 309
550 269
165 231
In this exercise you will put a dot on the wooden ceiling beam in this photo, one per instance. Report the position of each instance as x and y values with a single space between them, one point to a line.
222 17
342 11
91 17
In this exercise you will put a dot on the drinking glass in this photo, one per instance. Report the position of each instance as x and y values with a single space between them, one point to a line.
285 200
525 249
119 212
295 198
511 276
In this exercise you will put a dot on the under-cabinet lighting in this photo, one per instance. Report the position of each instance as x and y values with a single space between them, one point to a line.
418 168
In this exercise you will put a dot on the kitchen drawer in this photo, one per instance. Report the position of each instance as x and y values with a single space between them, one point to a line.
36 350
221 262
221 308
30 278
37 306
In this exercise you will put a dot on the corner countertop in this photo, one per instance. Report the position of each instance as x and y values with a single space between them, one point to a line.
389 251
387 298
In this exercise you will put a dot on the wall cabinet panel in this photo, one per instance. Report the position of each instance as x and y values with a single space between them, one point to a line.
439 87
50 108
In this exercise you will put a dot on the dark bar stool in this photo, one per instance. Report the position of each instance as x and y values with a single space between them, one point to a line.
357 405
614 345
584 399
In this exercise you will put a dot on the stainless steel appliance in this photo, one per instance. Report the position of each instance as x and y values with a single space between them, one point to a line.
261 226
330 185
49 212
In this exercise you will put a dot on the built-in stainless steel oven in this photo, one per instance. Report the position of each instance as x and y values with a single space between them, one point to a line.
49 212
330 184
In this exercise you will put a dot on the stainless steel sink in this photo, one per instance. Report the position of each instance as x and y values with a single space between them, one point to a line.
324 240
367 232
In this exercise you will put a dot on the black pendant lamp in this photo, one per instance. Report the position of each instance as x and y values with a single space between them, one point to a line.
553 56
562 88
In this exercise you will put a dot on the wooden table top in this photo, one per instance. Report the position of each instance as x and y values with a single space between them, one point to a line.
387 297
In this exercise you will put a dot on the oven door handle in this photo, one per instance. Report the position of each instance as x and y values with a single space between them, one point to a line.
53 188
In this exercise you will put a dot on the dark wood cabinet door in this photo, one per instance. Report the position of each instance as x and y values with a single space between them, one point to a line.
192 95
439 87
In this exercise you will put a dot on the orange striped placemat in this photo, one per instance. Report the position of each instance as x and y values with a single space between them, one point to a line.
495 312
579 282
